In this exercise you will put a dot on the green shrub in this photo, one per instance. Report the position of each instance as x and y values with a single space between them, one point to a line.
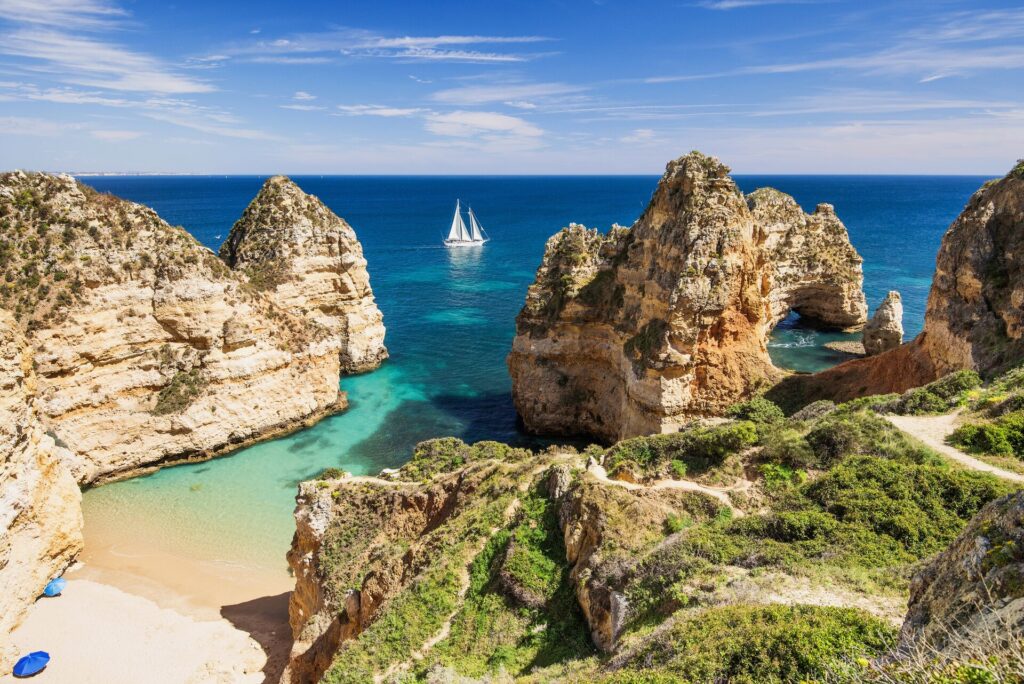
446 454
756 410
919 402
1003 437
179 393
699 448
787 446
755 644
952 386
844 433
815 410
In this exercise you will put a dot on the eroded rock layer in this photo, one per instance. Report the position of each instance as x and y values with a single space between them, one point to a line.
40 505
309 261
975 314
148 348
638 330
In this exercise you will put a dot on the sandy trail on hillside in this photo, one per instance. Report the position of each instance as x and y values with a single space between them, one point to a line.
933 430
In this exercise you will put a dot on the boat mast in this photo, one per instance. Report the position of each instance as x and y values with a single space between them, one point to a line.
458 229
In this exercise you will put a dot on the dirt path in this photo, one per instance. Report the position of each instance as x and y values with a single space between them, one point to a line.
719 493
933 430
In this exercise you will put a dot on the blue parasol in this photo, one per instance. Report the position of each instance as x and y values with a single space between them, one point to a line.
32 664
55 586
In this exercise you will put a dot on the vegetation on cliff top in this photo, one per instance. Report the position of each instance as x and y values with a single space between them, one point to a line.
839 499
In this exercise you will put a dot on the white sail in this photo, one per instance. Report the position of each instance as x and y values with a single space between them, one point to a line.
475 232
458 231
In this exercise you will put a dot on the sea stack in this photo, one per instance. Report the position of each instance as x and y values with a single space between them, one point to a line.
638 330
309 261
885 329
148 349
40 505
975 314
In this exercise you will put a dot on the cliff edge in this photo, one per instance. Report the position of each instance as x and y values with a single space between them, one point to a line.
638 330
309 261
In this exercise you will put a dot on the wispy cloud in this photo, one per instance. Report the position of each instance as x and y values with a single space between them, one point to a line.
116 136
94 63
503 92
63 14
950 45
304 107
462 124
358 43
18 125
302 95
379 110
740 4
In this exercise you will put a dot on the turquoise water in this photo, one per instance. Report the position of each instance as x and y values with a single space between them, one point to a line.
450 316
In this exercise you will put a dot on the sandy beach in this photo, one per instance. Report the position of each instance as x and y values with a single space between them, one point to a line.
131 615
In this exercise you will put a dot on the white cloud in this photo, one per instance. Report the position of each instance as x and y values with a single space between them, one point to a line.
83 61
116 136
520 104
61 13
638 136
357 43
303 107
303 95
462 124
738 4
17 125
378 110
475 95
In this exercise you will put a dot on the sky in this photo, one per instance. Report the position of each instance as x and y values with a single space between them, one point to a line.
511 87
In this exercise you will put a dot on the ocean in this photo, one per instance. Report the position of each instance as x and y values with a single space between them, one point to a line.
450 317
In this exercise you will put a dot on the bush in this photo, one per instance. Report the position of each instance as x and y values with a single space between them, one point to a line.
1004 437
843 433
179 393
815 410
446 454
787 446
757 410
747 644
920 402
698 449
938 396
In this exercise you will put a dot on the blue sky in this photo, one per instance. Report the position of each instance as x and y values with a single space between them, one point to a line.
562 86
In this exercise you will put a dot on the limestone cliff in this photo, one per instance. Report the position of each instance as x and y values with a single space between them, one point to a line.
974 590
309 261
148 348
885 329
680 557
637 330
40 505
975 314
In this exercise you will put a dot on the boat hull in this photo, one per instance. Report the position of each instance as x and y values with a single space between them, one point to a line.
464 243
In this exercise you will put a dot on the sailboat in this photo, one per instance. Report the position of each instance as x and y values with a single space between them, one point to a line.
461 236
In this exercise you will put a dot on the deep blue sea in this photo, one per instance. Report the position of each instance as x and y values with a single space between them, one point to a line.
450 321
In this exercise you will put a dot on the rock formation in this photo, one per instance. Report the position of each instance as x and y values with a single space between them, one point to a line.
637 330
310 262
973 590
975 314
40 505
885 329
148 348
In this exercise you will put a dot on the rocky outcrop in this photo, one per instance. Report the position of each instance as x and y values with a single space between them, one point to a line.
974 590
885 329
638 330
40 505
975 314
148 349
309 261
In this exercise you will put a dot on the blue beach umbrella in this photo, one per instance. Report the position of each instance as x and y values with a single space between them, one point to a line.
55 586
32 664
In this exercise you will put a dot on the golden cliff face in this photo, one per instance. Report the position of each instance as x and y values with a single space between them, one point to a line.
40 505
149 349
639 330
975 314
310 263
